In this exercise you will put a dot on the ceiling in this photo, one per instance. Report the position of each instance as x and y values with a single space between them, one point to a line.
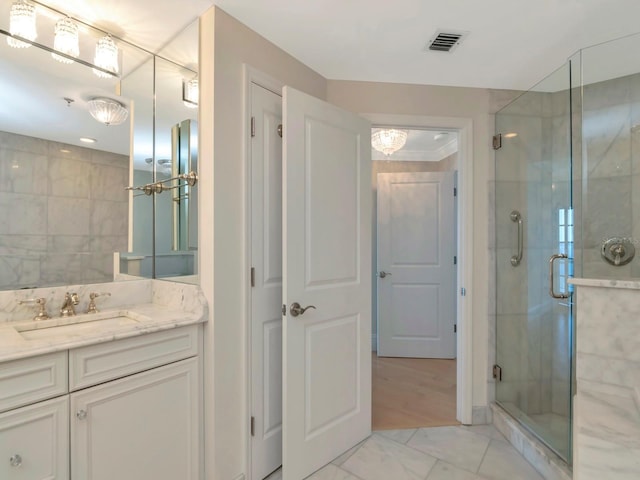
422 146
512 44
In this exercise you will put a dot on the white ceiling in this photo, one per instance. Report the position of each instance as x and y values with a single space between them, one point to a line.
512 43
422 146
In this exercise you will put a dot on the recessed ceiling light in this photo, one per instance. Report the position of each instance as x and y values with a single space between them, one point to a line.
88 140
64 150
510 135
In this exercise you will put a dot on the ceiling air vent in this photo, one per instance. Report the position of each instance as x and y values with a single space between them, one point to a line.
445 41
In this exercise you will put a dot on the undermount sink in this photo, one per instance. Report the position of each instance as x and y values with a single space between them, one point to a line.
78 324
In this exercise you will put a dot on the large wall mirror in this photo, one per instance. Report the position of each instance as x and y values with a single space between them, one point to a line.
64 209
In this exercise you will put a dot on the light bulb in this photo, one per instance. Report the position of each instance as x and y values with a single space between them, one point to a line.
66 40
106 57
22 22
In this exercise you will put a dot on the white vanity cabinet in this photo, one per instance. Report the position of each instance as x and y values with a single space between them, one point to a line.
140 427
34 441
127 409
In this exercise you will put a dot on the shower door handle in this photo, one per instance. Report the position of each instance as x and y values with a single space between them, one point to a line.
517 217
552 291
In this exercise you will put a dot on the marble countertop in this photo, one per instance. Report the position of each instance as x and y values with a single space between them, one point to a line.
605 283
163 306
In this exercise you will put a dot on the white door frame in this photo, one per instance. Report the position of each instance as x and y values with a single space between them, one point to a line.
250 75
464 304
464 127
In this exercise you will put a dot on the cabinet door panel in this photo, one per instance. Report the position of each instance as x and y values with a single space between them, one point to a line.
29 380
34 442
142 427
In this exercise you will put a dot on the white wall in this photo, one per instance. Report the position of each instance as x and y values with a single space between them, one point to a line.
225 45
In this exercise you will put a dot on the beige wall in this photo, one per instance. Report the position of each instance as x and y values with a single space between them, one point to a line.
225 45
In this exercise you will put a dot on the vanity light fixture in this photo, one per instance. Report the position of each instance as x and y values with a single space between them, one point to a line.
190 93
106 57
66 40
22 22
388 141
107 111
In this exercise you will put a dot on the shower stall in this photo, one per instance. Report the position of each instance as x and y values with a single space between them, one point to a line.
567 203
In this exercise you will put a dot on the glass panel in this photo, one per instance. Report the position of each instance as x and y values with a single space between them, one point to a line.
534 330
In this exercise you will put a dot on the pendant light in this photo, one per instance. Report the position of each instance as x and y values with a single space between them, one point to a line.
66 40
22 22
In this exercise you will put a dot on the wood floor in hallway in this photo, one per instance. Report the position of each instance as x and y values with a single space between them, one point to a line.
413 392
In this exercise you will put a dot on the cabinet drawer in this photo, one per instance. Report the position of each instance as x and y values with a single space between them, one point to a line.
107 361
34 441
32 379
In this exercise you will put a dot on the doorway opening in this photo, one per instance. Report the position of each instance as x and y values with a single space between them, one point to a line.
415 258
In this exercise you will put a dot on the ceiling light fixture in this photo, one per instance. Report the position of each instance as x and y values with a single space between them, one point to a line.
88 140
190 93
22 22
107 111
388 141
510 135
66 40
106 57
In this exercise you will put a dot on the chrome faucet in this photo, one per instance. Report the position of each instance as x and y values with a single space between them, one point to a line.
70 301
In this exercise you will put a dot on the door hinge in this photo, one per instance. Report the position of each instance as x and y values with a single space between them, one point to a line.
455 328
284 310
497 372
463 292
497 141
455 191
253 426
253 126
455 260
253 276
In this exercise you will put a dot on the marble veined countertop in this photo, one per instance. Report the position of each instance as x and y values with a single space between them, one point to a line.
605 283
148 306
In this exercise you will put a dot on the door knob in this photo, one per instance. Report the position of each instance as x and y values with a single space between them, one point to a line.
384 274
296 309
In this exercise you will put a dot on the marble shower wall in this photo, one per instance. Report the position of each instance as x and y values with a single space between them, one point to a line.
611 162
63 212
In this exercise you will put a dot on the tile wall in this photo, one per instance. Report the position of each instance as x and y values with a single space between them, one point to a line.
63 212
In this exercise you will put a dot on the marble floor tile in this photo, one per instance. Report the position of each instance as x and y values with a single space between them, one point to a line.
400 436
450 453
446 471
332 472
383 459
277 475
486 430
454 445
346 455
503 462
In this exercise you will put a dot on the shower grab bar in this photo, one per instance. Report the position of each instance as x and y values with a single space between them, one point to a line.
517 217
552 290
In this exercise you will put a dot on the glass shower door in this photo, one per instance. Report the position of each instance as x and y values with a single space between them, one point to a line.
533 250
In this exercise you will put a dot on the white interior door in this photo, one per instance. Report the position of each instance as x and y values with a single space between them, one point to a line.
266 291
416 270
327 264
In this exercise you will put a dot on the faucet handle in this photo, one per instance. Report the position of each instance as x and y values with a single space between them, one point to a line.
42 310
92 300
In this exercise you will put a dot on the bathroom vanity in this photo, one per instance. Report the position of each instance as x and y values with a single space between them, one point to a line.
115 394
